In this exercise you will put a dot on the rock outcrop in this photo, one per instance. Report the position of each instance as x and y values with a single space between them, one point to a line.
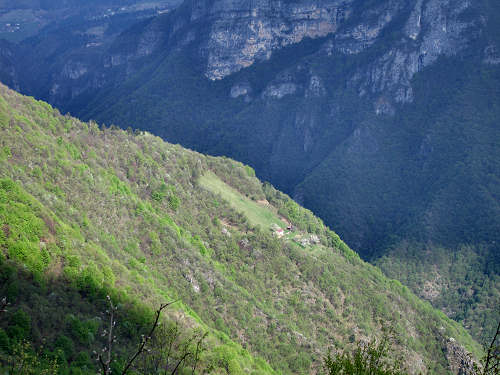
228 36
460 361
236 34
243 32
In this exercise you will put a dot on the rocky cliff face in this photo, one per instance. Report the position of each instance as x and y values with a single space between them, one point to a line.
359 54
230 35
66 49
239 33
243 32
432 29
460 361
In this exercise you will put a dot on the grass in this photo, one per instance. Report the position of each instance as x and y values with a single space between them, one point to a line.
256 213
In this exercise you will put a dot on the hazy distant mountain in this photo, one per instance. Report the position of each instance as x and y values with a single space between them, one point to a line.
22 19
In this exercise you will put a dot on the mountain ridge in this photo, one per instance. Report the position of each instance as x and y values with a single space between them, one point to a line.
146 218
384 127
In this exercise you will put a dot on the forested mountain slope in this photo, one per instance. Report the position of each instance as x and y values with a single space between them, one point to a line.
87 213
380 116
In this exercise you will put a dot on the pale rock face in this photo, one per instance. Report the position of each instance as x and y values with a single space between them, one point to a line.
284 84
117 60
414 24
363 140
383 107
240 89
148 43
240 33
74 70
77 72
491 55
188 38
279 90
434 28
245 32
363 34
315 88
230 35
305 125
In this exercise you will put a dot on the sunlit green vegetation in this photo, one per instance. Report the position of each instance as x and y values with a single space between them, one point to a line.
428 174
87 212
257 214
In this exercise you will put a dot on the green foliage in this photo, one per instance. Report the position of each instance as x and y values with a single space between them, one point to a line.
256 214
198 243
90 279
250 171
370 358
450 278
174 202
166 191
82 331
116 186
5 153
26 361
114 228
19 326
370 177
4 340
65 344
4 119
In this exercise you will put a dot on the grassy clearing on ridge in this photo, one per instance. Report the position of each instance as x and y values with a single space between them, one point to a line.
256 213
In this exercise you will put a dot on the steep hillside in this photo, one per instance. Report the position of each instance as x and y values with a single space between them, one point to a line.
87 212
381 117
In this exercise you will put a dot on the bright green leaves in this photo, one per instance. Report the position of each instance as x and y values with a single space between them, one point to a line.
168 192
4 115
198 243
117 186
5 152
23 234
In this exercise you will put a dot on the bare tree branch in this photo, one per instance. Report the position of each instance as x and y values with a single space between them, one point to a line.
145 340
174 336
103 365
197 352
180 361
106 364
492 355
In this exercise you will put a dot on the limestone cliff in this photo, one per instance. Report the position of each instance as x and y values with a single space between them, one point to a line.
236 34
229 35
